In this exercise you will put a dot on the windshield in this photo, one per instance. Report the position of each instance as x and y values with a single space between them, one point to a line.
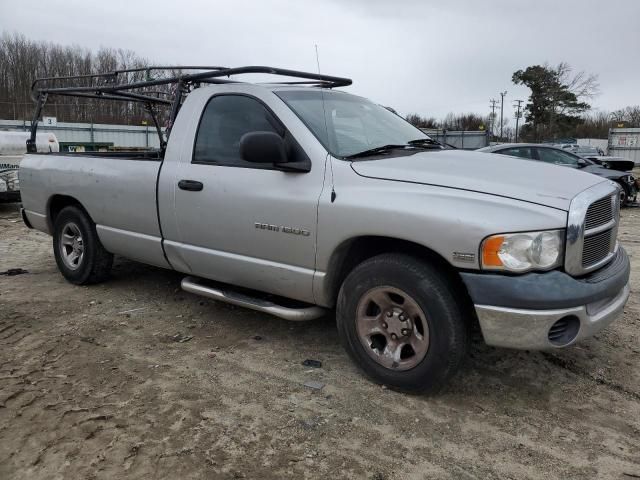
346 124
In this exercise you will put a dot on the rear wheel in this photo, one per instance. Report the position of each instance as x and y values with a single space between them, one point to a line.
80 256
399 320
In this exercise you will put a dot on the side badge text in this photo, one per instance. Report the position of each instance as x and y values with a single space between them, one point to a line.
283 228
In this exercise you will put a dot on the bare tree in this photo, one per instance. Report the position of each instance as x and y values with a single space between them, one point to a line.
582 84
422 122
632 115
23 60
464 121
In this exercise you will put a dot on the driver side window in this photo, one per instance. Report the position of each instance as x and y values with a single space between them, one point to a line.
225 119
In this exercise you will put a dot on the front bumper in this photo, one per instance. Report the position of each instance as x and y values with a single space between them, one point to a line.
548 310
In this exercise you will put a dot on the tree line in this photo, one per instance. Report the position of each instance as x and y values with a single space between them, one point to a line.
22 60
452 121
558 107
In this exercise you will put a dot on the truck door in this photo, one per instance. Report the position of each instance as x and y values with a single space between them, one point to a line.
243 223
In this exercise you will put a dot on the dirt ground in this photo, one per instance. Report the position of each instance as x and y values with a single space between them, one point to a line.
93 384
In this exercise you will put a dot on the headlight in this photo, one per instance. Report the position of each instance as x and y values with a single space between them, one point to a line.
521 252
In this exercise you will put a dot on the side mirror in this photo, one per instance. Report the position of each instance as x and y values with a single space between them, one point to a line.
263 147
582 163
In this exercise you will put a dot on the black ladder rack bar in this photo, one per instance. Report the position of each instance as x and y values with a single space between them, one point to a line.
110 89
322 80
113 75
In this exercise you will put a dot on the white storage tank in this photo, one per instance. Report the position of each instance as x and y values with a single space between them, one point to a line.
15 143
13 146
625 143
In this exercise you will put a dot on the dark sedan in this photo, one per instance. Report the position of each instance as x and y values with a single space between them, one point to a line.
557 156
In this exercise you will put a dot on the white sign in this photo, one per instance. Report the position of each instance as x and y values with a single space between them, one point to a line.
50 121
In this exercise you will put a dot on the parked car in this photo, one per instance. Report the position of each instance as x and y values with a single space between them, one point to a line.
549 154
581 150
596 155
615 163
333 202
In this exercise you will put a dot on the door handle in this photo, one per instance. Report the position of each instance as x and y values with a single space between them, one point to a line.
190 185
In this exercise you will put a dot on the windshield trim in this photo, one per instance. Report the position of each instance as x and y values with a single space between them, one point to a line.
321 141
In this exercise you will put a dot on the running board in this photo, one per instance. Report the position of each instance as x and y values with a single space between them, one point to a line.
225 294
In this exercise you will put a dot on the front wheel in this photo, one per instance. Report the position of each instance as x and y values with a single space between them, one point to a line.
80 256
400 321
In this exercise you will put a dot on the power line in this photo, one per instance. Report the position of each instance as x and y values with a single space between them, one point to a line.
502 95
493 113
519 103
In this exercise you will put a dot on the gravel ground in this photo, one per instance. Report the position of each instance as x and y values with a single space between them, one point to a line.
93 384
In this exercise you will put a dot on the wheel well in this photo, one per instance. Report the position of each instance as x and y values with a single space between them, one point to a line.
624 187
353 252
56 204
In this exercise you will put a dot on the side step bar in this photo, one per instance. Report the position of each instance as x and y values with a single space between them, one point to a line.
224 294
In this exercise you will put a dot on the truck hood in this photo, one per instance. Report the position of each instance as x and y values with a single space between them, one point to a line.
521 179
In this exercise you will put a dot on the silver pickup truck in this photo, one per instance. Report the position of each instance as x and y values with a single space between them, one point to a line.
296 200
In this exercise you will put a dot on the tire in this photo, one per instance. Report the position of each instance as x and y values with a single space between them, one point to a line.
624 196
442 316
75 233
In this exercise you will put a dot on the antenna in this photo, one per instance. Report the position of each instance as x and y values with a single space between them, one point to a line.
324 111
317 58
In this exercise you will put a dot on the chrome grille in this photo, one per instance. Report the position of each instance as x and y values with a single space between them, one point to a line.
592 229
596 248
599 213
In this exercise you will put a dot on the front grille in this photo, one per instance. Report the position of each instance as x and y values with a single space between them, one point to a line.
619 263
599 213
596 248
592 229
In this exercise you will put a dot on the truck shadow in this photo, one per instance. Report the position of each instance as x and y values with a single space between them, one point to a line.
489 372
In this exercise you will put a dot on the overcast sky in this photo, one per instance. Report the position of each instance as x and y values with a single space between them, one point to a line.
428 57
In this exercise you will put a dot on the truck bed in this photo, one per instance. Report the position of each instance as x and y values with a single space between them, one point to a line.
118 190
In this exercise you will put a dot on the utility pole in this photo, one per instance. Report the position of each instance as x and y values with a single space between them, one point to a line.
493 114
518 103
502 94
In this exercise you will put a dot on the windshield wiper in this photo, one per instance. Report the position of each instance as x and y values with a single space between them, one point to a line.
376 150
423 141
420 143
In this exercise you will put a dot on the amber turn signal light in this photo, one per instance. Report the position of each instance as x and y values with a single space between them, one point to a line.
490 248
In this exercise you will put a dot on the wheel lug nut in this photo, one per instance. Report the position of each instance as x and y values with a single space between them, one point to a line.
384 325
402 317
405 331
394 336
389 314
